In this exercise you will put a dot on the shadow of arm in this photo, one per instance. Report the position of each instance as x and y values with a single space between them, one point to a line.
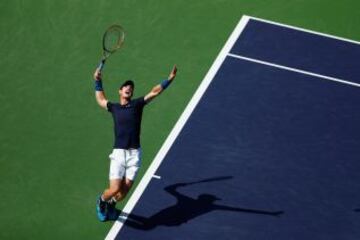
171 189
246 210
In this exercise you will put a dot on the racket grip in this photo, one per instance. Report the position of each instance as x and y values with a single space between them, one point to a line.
101 64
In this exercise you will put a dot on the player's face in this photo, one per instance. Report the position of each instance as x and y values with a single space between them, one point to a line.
126 91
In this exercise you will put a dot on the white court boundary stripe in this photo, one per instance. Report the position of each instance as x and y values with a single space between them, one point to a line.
294 70
177 128
189 109
305 30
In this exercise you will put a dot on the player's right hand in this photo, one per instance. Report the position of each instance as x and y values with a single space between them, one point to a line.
97 74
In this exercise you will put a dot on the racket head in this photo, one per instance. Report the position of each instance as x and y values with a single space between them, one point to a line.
113 39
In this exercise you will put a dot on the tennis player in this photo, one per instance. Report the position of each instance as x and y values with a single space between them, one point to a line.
125 159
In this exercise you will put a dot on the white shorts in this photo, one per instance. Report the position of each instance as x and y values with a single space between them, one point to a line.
124 163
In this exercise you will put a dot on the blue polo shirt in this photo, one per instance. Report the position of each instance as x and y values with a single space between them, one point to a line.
127 123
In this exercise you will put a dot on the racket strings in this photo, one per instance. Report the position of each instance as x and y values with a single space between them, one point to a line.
113 38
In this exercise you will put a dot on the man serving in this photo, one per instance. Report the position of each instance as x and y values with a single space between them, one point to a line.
125 159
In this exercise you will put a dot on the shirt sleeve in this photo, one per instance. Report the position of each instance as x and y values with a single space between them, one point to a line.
140 102
109 106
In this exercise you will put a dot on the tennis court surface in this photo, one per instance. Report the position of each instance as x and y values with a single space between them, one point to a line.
268 147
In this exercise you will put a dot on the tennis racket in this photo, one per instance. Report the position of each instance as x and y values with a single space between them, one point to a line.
113 39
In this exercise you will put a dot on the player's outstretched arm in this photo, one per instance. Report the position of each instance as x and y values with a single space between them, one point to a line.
99 91
155 91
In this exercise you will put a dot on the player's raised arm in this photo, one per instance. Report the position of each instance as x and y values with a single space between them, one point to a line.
99 91
155 91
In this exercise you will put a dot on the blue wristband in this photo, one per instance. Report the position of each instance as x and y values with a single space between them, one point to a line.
165 83
98 85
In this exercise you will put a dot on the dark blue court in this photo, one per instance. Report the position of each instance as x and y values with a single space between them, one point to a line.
267 153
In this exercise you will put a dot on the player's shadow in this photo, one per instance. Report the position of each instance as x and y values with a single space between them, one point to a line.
187 208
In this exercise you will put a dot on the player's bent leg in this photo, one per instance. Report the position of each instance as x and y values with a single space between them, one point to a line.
106 206
113 213
125 188
115 190
115 187
126 169
127 185
128 180
116 174
102 204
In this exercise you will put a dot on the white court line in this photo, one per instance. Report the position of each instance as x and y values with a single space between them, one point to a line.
294 70
305 30
177 128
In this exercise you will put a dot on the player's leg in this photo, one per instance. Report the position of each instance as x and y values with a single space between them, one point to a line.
115 187
116 174
132 165
104 200
132 162
125 188
109 196
113 213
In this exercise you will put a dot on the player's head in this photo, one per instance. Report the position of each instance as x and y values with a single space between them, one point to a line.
126 89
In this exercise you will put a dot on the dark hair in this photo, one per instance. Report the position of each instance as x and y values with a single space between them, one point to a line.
127 83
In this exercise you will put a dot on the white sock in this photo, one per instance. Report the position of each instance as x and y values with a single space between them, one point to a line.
113 200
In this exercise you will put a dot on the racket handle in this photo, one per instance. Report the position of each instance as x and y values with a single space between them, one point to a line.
101 64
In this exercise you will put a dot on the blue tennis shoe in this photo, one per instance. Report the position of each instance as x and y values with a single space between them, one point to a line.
112 213
101 210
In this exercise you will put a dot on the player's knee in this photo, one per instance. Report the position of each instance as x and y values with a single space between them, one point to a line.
128 183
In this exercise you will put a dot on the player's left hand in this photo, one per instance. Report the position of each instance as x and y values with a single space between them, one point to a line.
172 74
